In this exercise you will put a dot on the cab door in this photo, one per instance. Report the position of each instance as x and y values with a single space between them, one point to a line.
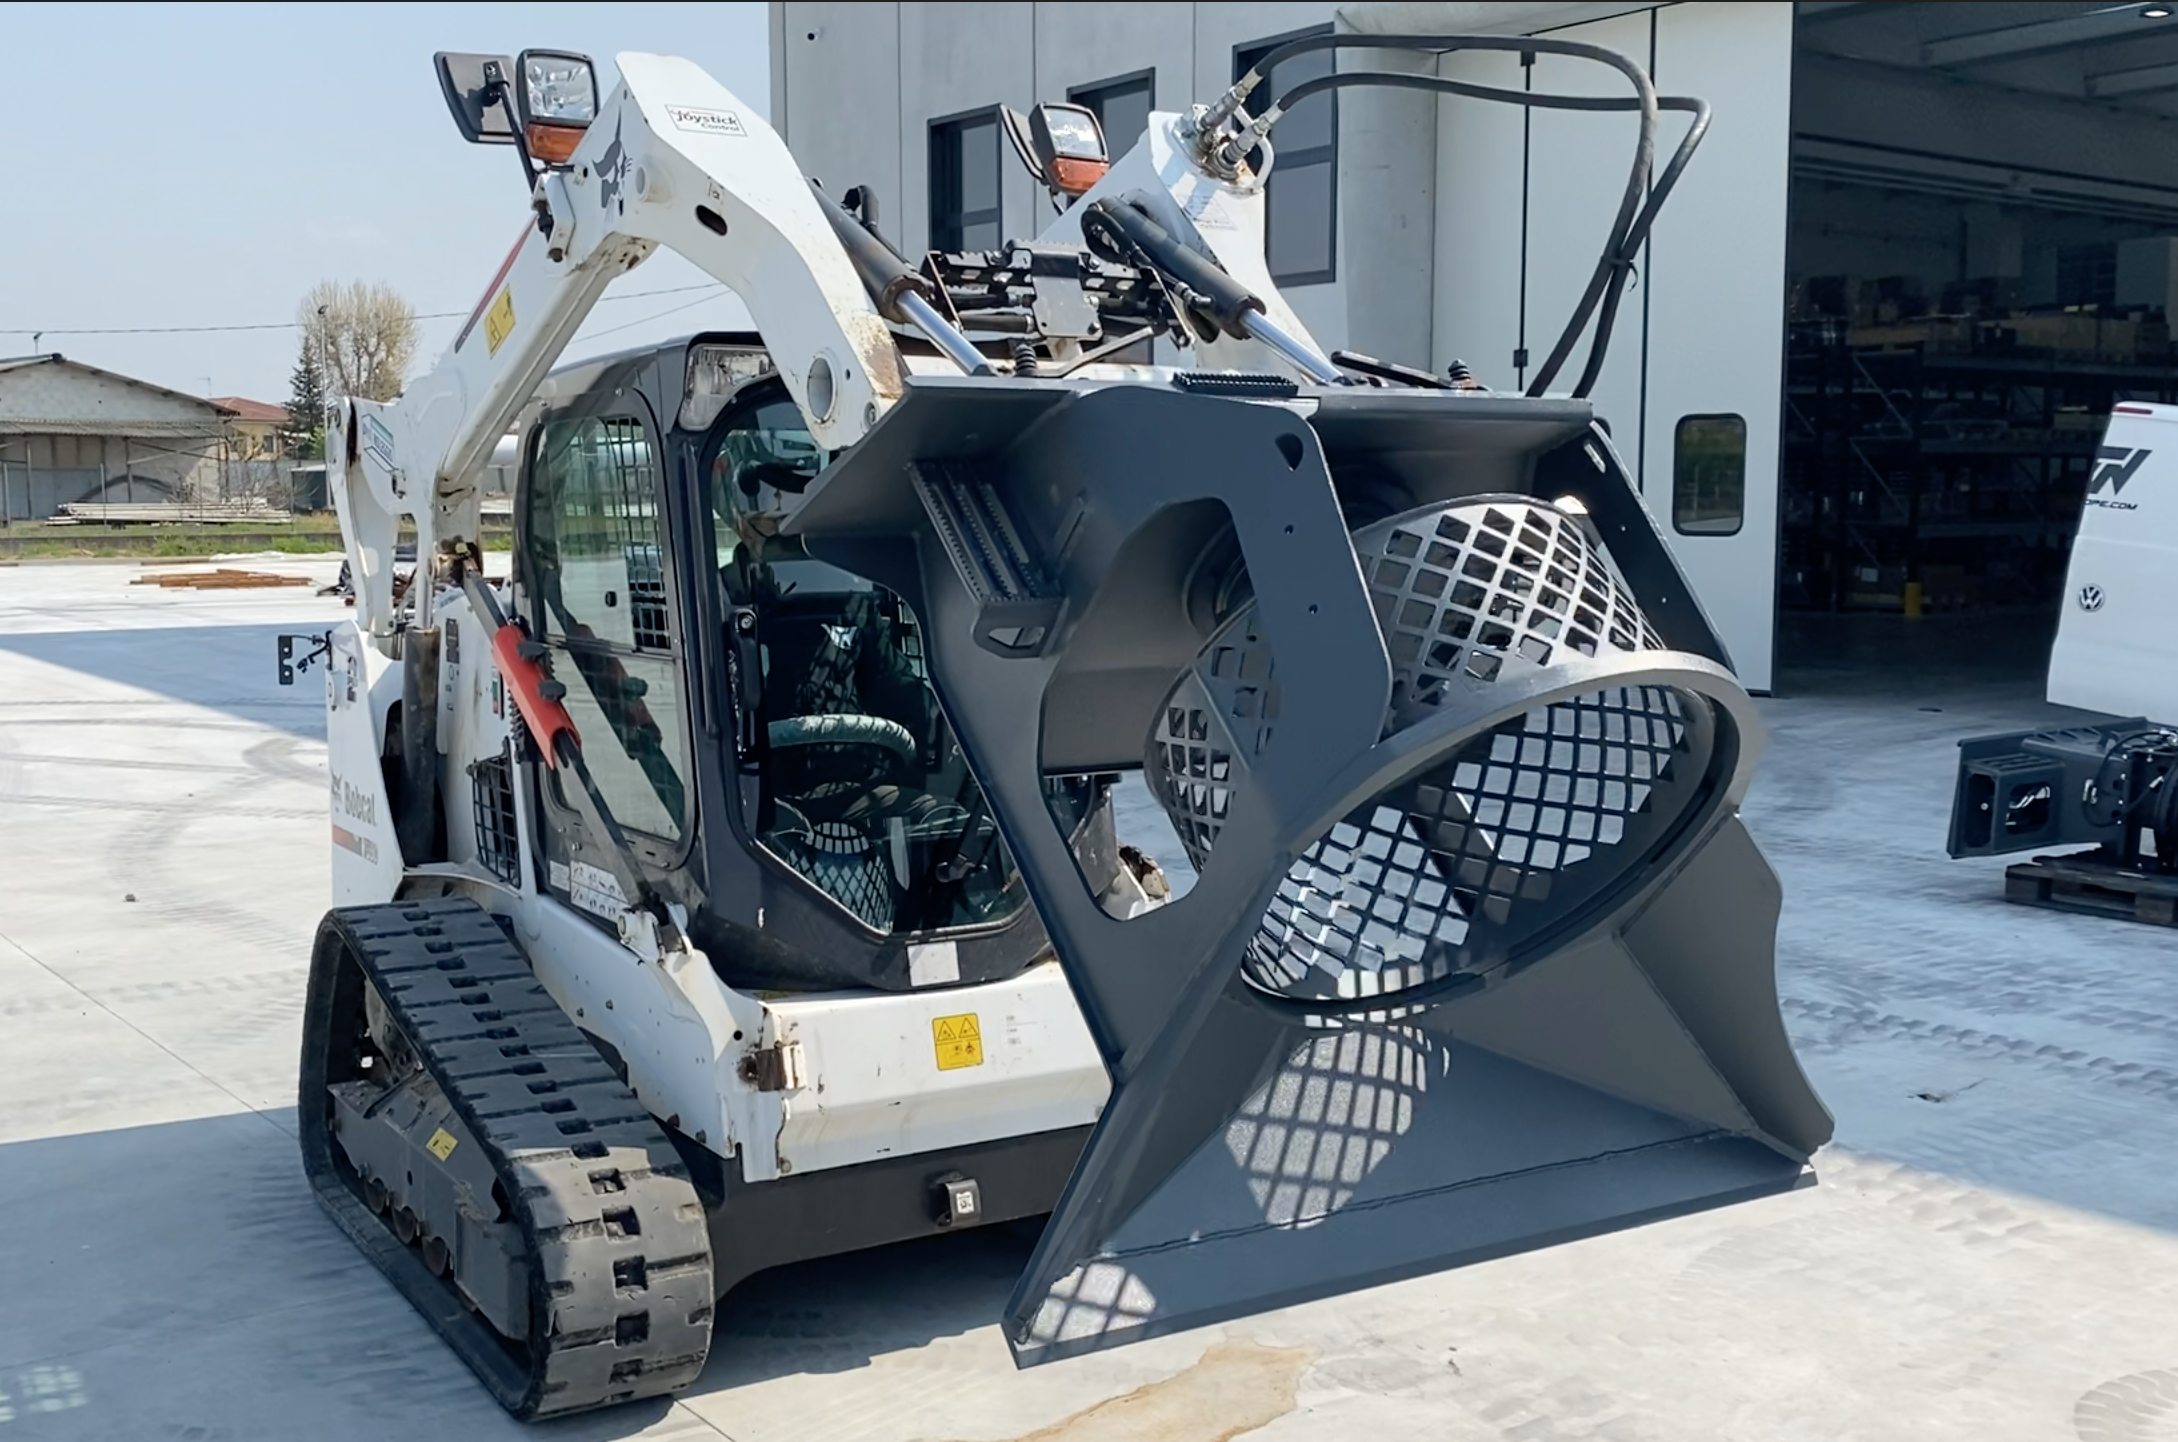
595 567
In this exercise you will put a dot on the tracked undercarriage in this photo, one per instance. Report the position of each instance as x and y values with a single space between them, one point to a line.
472 1141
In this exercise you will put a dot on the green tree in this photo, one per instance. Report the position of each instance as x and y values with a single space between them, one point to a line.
306 406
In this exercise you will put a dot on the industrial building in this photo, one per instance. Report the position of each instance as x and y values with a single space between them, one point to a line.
1865 361
72 433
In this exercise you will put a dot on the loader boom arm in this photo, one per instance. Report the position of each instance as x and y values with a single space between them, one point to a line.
672 159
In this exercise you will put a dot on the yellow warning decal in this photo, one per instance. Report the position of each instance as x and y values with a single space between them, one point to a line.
442 1144
959 1041
499 321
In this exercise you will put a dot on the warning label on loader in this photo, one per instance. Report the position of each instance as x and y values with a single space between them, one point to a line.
499 321
592 888
959 1041
442 1144
378 441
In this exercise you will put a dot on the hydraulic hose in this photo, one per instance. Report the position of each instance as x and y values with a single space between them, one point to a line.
900 295
1114 228
1214 300
1609 279
1629 229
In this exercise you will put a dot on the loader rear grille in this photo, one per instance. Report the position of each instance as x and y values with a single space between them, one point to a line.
498 842
846 862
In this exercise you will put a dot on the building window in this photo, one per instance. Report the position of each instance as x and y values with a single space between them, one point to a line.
964 212
1709 475
1302 210
1121 106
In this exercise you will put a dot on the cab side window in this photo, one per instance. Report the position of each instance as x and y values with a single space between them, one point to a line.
595 570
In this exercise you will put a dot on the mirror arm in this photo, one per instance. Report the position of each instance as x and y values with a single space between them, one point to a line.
501 93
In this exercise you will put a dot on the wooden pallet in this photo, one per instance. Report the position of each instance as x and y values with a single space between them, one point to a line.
223 579
2088 882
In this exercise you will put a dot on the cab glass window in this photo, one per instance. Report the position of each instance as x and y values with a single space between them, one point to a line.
864 790
594 565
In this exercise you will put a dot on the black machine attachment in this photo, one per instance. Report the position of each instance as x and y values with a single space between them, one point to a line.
2108 786
1480 956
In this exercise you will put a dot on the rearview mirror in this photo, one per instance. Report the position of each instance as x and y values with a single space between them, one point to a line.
472 87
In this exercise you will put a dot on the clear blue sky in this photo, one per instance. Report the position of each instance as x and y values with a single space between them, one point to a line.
189 165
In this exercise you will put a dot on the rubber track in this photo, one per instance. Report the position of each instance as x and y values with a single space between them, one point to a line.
620 1280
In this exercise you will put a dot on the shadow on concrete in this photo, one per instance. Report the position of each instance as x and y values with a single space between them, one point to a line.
222 668
180 1280
835 1314
1947 1029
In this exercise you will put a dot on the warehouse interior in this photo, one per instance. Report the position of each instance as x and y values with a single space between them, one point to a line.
1983 259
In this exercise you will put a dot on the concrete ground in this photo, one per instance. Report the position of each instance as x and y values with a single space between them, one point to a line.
1989 1255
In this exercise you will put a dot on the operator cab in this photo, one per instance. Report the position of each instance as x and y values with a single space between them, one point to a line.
761 722
862 789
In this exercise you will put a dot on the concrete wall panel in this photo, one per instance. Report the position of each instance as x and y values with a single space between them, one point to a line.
1578 162
956 58
1080 45
1716 309
1477 290
1388 186
836 98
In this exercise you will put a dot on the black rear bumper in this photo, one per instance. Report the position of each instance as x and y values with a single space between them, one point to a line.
755 1225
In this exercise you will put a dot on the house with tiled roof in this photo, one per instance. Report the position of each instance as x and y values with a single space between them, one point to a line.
258 429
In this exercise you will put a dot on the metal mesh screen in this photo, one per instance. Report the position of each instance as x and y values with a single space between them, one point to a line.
1448 872
1469 589
1231 707
498 846
1442 874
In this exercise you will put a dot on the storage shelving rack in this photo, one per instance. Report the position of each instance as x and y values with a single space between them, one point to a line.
1963 472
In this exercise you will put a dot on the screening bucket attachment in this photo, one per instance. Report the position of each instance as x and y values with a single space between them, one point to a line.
1481 957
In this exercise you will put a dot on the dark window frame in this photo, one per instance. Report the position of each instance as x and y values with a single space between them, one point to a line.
947 232
1092 96
1697 526
1244 56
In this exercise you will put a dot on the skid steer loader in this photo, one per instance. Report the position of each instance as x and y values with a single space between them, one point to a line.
739 881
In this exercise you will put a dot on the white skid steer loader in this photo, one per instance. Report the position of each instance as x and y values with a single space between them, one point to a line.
738 882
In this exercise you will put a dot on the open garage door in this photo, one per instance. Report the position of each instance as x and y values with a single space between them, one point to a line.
1982 264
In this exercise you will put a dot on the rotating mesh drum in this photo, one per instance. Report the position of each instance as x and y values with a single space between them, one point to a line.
1524 823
